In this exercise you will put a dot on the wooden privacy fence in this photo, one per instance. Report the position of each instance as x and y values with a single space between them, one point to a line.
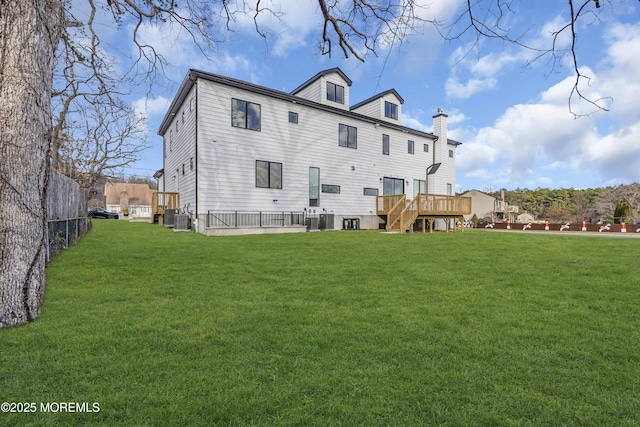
67 219
65 198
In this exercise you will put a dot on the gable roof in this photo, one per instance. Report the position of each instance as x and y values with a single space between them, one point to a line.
481 193
140 192
193 75
322 74
377 96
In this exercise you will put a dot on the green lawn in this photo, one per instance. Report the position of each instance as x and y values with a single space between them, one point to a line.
478 328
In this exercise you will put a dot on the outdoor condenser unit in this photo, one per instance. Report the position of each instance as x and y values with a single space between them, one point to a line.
311 223
169 217
181 222
326 222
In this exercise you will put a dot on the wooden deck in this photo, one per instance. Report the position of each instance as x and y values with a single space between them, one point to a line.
161 201
401 215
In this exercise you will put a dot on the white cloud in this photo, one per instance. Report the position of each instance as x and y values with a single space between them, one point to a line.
529 143
455 89
286 23
149 107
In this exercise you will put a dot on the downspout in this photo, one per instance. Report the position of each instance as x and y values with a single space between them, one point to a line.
196 154
433 162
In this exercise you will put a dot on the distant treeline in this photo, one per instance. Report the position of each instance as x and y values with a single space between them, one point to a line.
567 204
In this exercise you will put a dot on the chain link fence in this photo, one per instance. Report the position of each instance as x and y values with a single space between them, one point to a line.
64 232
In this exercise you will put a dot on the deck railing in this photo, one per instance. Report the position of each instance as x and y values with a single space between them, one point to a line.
433 204
385 203
238 219
428 204
409 214
164 200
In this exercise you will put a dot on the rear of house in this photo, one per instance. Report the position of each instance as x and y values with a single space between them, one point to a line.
234 148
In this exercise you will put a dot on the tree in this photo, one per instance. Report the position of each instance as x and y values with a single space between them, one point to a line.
558 215
622 213
95 132
30 32
34 34
489 19
100 142
475 220
581 206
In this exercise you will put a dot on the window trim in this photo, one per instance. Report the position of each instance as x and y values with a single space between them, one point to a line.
391 110
314 201
388 180
235 123
347 143
332 89
372 191
270 180
386 144
330 188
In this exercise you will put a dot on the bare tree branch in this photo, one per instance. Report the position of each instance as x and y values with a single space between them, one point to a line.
485 19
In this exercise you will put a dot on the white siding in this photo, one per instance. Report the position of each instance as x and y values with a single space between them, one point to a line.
227 156
313 92
180 151
224 157
316 91
446 173
335 78
371 109
375 108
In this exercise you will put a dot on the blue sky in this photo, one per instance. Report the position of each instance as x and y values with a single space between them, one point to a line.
513 119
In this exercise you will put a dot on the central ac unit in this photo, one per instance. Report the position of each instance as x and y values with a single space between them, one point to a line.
169 217
181 222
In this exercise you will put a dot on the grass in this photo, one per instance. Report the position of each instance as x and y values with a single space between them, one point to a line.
335 328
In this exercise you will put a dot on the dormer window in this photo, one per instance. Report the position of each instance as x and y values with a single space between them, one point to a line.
391 110
335 93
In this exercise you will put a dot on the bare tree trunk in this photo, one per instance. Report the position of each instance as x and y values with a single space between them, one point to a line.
30 31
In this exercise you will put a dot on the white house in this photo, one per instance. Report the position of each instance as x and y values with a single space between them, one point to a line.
233 148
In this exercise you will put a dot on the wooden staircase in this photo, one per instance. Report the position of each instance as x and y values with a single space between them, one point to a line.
402 215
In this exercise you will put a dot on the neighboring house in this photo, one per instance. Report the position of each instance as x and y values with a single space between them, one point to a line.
482 205
135 198
235 147
490 208
525 217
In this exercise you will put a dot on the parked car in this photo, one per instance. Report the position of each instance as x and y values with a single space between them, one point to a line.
101 213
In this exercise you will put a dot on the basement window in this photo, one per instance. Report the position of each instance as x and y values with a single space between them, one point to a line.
332 189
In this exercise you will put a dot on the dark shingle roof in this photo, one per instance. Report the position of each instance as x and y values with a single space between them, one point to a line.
379 95
322 74
193 75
